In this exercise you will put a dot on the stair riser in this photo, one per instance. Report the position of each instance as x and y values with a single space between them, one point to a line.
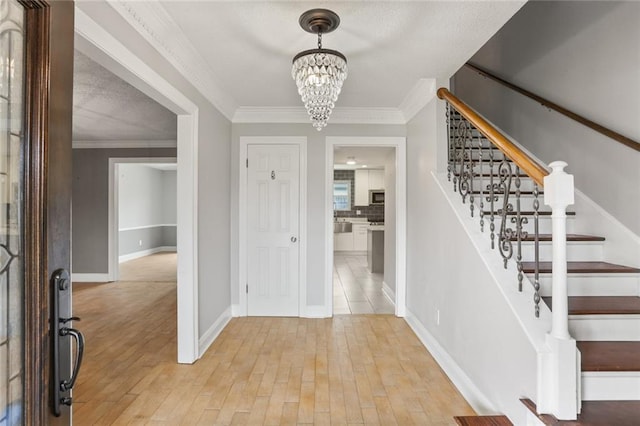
595 284
609 386
605 328
586 251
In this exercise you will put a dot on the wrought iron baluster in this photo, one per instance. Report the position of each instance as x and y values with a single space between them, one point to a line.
492 198
466 163
519 220
449 142
472 166
536 238
505 244
480 148
458 151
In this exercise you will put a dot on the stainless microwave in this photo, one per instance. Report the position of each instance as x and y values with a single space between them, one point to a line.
376 196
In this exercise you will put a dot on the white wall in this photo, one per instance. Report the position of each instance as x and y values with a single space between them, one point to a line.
584 56
212 153
141 196
169 203
446 279
390 221
146 209
315 192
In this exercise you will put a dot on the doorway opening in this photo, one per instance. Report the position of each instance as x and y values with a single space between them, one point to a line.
143 219
363 263
365 217
93 41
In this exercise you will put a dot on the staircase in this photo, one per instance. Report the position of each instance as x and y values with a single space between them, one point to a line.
603 302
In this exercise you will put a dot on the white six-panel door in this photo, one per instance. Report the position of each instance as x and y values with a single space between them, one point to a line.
273 204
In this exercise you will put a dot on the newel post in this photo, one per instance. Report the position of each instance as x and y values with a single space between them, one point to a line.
558 194
559 363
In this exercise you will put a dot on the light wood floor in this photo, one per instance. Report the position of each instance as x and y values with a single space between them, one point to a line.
352 369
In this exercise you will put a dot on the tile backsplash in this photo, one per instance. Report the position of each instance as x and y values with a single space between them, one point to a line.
373 213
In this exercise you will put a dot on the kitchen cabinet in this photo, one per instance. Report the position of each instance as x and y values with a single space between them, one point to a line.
376 179
343 241
365 181
360 236
362 188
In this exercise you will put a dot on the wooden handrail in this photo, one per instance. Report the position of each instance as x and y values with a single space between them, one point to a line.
547 103
534 170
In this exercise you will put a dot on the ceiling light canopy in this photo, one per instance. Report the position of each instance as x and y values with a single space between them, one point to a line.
351 160
319 73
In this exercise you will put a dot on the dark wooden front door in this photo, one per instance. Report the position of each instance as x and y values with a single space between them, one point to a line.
36 87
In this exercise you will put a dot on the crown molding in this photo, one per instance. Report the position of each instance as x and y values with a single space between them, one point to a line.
340 115
418 97
154 24
105 144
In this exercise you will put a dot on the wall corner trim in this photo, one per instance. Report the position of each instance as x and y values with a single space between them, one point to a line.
209 336
478 401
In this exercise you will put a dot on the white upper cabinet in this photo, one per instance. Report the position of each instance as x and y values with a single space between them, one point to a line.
376 179
365 181
362 188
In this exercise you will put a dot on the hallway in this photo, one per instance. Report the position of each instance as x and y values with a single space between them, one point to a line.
355 289
356 369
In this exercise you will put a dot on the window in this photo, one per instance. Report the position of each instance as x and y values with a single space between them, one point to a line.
342 195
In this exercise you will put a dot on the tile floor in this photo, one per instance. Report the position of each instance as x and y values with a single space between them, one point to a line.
355 289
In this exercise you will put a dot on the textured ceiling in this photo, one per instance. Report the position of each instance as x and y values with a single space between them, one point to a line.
107 108
245 48
389 45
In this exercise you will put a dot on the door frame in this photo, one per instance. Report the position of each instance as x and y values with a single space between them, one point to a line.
114 218
95 42
245 141
400 144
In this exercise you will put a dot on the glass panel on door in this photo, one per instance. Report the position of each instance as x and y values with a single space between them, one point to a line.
11 197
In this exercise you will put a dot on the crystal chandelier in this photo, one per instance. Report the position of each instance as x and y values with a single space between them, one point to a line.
319 73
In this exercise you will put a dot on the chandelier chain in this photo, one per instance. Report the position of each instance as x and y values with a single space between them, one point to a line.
319 40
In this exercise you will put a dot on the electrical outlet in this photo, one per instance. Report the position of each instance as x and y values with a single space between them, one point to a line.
140 243
438 317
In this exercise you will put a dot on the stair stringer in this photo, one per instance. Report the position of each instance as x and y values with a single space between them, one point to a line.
530 331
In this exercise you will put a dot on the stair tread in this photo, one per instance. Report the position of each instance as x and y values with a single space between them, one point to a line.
510 192
595 413
520 175
483 421
601 305
591 267
526 213
570 237
610 356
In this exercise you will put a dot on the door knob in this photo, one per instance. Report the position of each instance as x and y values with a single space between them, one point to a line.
294 239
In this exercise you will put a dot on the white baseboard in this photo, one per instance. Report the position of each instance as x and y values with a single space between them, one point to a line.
391 295
90 278
143 253
214 331
478 401
315 311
